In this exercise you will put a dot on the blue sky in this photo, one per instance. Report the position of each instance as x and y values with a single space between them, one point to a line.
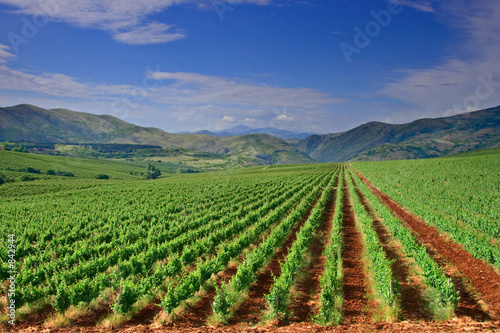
184 65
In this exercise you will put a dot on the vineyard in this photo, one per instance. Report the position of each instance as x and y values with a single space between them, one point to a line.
391 246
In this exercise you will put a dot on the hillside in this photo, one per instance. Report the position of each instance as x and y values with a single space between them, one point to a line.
372 141
17 166
422 138
245 130
27 123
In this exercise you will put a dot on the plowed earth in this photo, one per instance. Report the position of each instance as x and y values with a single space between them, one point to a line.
458 263
482 277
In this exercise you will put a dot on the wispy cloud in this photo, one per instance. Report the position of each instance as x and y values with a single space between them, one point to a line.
153 33
420 5
196 100
4 54
457 84
126 20
193 88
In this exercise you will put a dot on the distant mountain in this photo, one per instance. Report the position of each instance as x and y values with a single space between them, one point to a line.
245 130
28 123
422 138
372 141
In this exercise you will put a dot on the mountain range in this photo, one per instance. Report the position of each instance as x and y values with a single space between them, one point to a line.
245 130
422 138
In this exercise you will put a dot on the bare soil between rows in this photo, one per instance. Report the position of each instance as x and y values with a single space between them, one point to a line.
356 305
306 297
481 276
412 304
446 326
357 317
251 311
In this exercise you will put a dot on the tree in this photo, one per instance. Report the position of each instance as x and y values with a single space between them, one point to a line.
152 172
4 179
20 149
5 146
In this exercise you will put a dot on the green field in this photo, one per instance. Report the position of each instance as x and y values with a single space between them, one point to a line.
110 248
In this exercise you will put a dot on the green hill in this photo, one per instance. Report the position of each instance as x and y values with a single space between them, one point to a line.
36 166
422 138
372 141
28 123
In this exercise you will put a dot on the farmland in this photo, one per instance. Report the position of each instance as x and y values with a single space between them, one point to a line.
395 246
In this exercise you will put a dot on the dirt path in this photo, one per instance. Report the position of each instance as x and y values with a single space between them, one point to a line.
199 313
355 288
482 277
144 316
250 311
437 327
412 305
306 298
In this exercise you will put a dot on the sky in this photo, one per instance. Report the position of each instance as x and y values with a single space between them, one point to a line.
321 66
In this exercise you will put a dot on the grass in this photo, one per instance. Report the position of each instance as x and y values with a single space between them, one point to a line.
385 312
117 320
81 168
57 320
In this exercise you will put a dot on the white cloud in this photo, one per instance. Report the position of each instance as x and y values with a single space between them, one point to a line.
195 100
458 83
192 88
249 120
420 5
4 54
187 89
284 117
229 119
125 20
153 33
57 85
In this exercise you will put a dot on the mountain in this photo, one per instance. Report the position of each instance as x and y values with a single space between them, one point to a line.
245 130
28 123
422 138
372 141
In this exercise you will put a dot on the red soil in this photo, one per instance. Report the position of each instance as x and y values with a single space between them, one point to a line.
250 311
355 287
412 305
481 276
356 307
306 297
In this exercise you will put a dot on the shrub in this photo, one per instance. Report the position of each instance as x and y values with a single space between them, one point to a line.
32 170
152 172
21 149
26 178
4 179
102 176
62 301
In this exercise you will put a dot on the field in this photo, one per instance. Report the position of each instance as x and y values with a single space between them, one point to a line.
389 246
